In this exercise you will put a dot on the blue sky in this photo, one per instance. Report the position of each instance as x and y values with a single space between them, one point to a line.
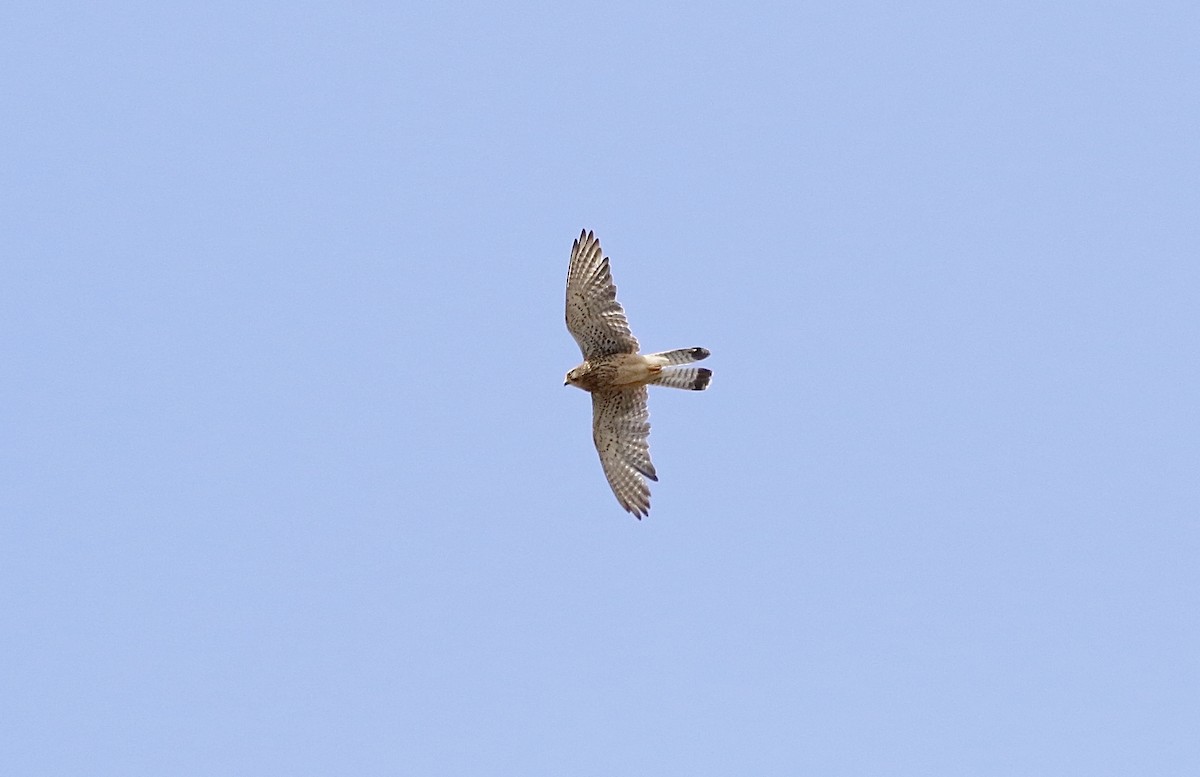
291 484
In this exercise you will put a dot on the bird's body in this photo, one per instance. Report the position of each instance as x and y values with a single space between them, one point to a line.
616 375
620 370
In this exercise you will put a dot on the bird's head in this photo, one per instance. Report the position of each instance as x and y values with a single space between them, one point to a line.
572 378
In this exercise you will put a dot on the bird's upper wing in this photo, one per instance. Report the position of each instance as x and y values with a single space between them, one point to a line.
594 317
621 431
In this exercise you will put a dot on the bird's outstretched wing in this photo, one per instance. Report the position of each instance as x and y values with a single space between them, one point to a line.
594 317
621 431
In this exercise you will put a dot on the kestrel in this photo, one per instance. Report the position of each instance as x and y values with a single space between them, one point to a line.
617 375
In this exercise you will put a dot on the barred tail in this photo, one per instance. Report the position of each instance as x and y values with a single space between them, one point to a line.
680 356
692 378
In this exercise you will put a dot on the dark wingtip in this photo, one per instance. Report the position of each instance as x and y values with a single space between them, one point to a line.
703 378
700 353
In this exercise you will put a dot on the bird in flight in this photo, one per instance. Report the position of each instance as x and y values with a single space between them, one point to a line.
616 375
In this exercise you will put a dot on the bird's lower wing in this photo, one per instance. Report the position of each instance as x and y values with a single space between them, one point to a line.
621 431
